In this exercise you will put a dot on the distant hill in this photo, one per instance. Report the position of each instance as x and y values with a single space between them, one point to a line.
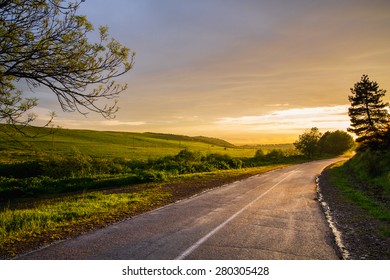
111 144
269 147
202 139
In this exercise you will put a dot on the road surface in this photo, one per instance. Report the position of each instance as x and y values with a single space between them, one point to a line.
269 216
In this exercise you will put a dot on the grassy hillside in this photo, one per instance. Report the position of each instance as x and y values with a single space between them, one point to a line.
105 144
108 144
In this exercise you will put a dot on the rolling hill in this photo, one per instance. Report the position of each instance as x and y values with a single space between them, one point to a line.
109 144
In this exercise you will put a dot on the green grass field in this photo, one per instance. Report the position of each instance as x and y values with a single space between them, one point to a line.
104 144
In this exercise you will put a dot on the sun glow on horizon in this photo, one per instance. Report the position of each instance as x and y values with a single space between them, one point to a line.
248 72
331 117
275 127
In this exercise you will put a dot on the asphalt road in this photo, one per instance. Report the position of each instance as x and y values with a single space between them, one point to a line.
269 216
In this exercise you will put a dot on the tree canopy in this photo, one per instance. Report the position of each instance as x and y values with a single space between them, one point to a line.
46 43
368 113
307 143
312 142
335 142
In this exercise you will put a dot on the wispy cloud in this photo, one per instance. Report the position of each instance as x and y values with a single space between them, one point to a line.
277 105
63 120
120 123
330 117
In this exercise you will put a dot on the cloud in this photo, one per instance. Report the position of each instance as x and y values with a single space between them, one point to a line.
277 105
122 123
330 117
65 121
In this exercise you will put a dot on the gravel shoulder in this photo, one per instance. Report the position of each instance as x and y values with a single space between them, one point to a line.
361 235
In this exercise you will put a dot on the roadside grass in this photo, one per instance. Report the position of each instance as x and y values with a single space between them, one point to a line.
232 173
53 220
12 189
340 179
372 168
29 224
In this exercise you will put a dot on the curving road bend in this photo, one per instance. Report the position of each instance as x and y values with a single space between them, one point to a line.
269 216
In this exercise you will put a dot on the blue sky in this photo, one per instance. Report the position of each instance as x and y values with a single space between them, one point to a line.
247 71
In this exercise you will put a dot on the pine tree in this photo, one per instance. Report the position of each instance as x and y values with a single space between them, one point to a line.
368 113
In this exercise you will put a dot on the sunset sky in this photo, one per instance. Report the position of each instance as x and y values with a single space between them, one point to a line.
247 71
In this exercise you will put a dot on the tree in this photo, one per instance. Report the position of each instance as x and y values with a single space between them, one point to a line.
307 143
336 142
45 43
368 113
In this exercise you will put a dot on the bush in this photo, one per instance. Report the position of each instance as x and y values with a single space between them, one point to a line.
275 155
70 166
236 163
371 169
78 165
12 187
21 169
223 161
151 176
108 166
187 155
260 154
371 163
192 162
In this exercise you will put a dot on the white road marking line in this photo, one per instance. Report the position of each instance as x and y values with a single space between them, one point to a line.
187 252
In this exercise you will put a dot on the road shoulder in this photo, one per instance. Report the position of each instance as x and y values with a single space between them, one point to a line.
360 233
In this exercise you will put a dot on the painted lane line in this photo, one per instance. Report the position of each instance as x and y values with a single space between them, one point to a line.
187 252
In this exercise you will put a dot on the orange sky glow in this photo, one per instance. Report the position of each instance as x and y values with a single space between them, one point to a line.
245 71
